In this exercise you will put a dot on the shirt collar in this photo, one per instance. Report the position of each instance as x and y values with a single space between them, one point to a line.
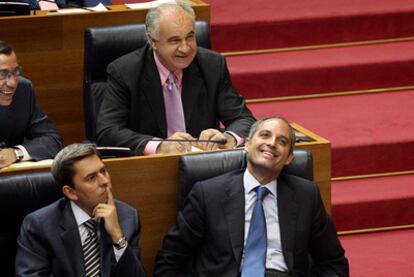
80 215
164 72
250 183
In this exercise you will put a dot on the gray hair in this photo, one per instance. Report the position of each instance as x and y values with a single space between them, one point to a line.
152 21
63 166
5 48
258 123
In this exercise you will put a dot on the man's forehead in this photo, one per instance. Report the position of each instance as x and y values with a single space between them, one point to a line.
179 21
89 163
274 125
5 60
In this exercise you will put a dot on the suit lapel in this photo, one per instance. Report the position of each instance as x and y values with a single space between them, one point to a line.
71 240
151 88
288 215
233 206
191 89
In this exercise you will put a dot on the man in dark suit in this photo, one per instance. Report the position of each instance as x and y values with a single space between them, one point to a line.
58 240
26 133
215 226
136 107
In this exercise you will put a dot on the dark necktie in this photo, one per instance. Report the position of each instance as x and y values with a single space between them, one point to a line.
90 248
254 262
173 107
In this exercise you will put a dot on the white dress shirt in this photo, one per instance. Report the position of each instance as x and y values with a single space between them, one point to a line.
274 254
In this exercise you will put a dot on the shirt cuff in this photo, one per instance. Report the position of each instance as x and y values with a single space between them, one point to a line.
151 147
239 140
119 252
26 156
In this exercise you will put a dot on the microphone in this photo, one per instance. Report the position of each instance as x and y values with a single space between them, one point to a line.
218 141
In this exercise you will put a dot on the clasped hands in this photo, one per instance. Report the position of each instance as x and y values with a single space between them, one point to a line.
7 157
169 147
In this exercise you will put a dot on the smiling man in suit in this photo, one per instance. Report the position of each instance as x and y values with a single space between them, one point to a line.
26 132
87 233
257 221
171 89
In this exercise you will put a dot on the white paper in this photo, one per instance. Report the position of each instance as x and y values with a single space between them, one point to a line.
98 8
148 5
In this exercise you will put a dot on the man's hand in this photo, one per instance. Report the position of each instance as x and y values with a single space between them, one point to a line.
7 157
168 147
214 134
108 213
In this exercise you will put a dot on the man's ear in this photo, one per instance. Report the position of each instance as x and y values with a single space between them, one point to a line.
290 159
151 41
246 145
69 192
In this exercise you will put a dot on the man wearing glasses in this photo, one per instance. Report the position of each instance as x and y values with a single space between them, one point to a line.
26 133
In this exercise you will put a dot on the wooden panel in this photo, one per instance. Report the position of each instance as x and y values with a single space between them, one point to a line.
50 49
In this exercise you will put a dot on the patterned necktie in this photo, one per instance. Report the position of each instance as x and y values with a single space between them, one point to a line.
254 262
90 248
173 107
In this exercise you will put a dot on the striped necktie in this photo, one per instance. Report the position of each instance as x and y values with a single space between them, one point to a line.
90 248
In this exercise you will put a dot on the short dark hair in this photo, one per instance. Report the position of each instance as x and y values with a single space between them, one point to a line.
5 48
63 164
258 123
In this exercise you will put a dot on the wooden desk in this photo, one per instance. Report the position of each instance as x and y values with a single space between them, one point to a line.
50 49
150 183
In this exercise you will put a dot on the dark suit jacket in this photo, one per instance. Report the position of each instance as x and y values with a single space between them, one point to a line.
211 228
133 111
23 119
49 244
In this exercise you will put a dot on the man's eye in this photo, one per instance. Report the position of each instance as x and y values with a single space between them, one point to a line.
175 41
4 73
90 178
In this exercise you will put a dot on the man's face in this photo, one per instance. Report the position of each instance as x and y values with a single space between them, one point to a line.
91 181
269 149
8 63
176 45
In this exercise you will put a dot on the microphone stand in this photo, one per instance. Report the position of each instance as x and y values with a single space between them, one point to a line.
218 141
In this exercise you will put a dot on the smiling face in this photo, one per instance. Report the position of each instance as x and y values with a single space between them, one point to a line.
8 86
175 45
90 183
268 150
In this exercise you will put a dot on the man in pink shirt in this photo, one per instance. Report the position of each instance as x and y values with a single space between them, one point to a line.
171 89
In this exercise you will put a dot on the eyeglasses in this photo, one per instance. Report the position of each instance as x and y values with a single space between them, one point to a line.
5 74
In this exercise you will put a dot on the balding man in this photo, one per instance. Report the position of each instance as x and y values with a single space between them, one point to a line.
171 89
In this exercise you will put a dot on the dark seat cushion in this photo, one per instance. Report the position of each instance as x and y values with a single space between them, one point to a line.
19 196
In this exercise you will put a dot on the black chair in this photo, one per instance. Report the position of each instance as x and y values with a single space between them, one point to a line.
198 167
19 196
105 44
14 8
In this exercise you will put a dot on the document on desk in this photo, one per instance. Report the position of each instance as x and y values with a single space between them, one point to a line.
148 5
98 8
